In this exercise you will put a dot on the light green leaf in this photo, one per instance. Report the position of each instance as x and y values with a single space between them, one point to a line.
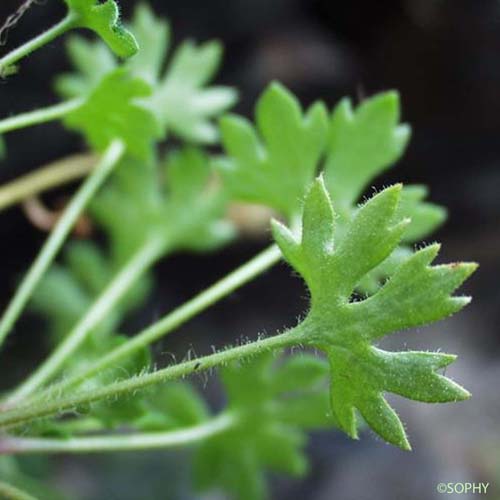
113 111
92 60
425 217
361 144
273 163
275 400
299 372
153 37
417 293
174 200
104 19
181 99
369 229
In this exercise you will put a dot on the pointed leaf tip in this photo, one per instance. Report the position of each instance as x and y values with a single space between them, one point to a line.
277 88
427 254
468 268
390 196
362 143
276 158
317 221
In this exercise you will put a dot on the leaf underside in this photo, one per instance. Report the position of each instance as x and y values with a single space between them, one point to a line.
416 294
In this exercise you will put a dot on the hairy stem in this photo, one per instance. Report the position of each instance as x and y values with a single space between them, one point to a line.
44 178
140 262
58 236
13 57
9 492
38 116
177 317
54 405
120 442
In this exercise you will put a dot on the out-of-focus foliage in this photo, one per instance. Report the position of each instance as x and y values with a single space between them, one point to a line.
275 162
276 403
171 201
112 111
180 98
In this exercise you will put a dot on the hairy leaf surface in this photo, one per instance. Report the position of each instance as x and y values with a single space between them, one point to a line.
104 19
332 263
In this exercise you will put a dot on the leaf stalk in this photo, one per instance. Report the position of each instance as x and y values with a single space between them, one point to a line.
222 288
39 116
140 262
120 442
9 60
58 405
56 239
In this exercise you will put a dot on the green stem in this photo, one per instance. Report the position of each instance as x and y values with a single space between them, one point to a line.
38 116
116 289
54 175
121 442
177 317
44 38
9 492
54 405
58 236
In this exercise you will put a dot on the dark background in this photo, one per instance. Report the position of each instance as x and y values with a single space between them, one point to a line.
443 57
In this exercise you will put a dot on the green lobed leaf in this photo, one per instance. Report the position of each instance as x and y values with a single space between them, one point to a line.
368 230
153 36
92 61
104 19
181 99
112 111
272 163
361 144
167 407
276 400
174 405
173 200
425 217
417 293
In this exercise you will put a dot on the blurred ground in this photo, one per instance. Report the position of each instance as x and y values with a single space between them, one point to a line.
442 55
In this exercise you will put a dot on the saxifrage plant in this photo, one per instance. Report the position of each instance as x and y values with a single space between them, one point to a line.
97 390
